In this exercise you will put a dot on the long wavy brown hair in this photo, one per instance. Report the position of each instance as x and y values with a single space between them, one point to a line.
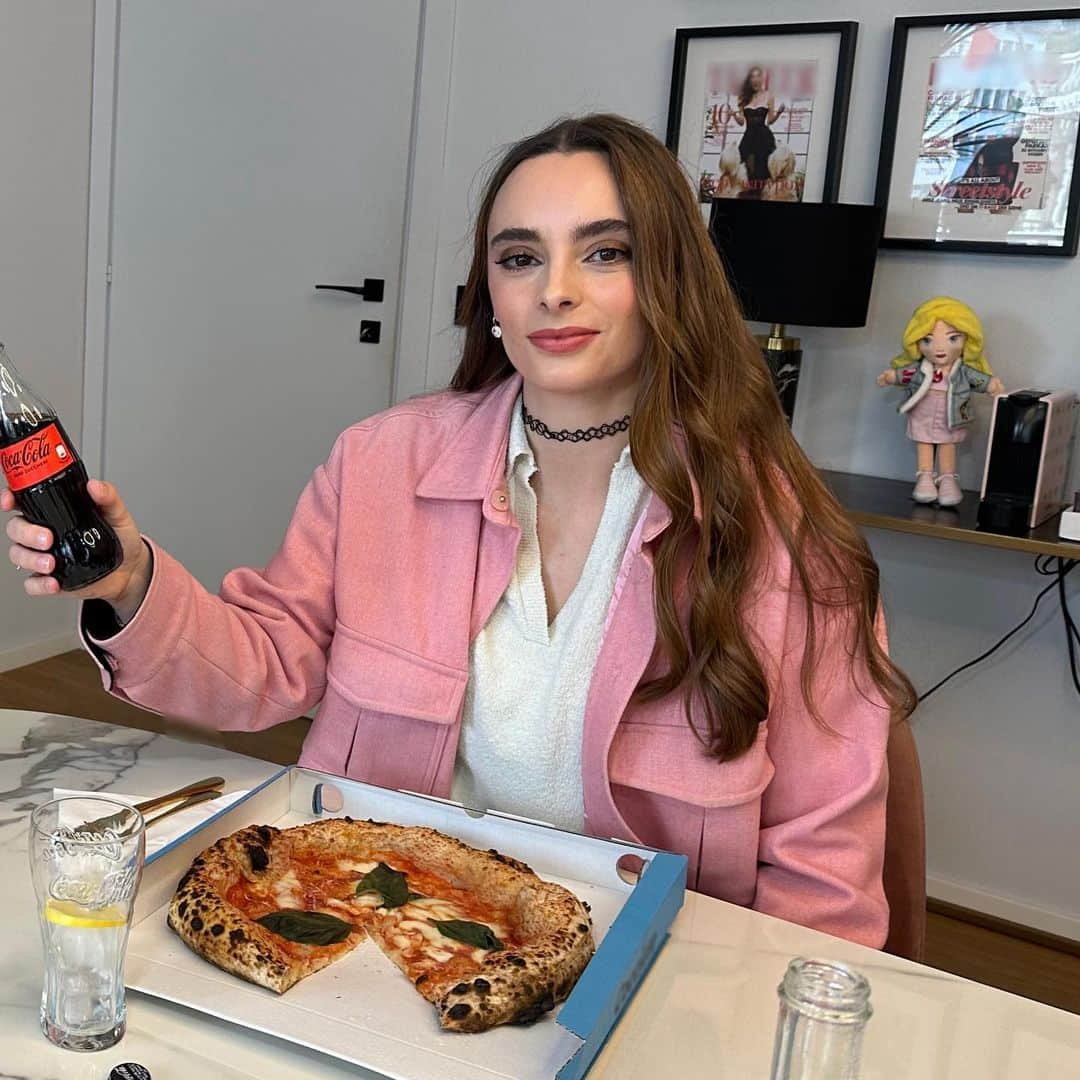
703 378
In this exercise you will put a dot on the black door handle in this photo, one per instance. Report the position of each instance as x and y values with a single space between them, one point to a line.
371 290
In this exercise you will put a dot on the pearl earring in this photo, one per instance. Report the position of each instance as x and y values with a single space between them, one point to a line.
496 329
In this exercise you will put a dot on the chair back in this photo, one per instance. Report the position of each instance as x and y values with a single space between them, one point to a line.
905 847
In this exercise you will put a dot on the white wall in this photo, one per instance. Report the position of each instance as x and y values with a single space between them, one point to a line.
1000 746
45 62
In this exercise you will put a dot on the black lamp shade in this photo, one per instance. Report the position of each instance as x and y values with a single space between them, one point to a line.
799 264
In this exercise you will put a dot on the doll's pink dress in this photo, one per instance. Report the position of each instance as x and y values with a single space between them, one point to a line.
928 420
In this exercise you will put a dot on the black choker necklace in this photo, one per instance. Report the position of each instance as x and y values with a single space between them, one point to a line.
580 435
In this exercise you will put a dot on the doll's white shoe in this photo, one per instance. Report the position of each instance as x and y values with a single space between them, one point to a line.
925 490
949 492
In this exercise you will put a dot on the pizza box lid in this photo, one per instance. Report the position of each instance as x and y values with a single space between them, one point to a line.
360 1009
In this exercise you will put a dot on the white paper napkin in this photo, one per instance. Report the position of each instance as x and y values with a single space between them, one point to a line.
183 821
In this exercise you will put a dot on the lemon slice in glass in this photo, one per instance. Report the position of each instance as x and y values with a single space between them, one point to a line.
68 913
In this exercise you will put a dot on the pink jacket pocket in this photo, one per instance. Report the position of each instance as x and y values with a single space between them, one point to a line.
383 678
386 716
673 795
669 760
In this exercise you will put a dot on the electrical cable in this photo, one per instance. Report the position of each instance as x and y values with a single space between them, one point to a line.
1043 564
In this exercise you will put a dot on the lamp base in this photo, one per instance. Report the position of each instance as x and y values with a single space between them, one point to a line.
784 356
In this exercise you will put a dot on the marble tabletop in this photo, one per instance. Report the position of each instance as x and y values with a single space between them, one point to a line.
706 1009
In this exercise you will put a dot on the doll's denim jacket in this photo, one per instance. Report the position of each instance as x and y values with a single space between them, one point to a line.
963 381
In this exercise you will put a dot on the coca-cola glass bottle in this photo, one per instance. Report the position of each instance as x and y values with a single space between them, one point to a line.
44 472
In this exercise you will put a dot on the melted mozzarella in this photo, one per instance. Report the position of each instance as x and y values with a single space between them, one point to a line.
424 928
347 866
288 892
430 908
367 899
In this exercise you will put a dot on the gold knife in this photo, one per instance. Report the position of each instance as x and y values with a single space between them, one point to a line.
191 800
212 784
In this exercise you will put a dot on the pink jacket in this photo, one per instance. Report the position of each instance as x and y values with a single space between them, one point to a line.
399 549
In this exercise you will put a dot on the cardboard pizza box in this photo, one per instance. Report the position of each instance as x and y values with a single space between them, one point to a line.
361 1008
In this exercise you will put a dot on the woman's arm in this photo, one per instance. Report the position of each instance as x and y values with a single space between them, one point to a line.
822 835
774 113
251 657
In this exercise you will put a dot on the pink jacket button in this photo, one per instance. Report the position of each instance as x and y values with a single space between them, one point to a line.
500 499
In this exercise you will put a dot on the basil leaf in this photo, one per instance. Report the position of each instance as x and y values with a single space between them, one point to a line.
306 927
472 933
387 881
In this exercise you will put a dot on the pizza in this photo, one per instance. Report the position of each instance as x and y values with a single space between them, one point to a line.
479 934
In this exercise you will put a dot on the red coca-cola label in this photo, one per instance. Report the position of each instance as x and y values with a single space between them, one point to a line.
36 458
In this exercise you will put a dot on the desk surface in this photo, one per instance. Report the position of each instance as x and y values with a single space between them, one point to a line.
887 504
706 1009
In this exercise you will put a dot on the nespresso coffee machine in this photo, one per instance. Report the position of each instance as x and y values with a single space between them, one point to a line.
1027 459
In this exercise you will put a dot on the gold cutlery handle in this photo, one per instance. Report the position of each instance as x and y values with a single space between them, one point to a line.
211 783
190 801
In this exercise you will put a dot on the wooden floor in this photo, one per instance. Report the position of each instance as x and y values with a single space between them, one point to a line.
70 685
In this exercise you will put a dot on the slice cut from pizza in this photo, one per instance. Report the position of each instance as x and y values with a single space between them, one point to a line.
479 934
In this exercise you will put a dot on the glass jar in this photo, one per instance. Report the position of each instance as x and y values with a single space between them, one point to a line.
824 1007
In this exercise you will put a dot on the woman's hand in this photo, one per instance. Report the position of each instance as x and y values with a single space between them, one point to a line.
887 377
124 588
996 386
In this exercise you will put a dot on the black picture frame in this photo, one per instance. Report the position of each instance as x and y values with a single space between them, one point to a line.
900 73
846 34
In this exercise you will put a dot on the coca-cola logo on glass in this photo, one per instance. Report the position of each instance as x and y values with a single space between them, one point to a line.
35 458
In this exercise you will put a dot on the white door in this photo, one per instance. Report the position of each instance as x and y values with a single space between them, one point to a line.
261 149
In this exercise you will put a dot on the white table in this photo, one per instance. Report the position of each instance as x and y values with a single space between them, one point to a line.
707 1009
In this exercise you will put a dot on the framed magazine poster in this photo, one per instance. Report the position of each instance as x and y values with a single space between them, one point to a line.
979 143
759 112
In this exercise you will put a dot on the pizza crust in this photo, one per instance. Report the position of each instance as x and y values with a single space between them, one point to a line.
223 934
515 985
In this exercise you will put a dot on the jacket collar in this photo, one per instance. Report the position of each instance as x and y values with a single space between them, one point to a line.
474 460
473 463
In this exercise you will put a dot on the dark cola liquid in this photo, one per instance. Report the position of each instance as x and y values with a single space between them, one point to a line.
48 479
85 547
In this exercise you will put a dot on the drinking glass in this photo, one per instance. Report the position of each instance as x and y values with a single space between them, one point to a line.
86 858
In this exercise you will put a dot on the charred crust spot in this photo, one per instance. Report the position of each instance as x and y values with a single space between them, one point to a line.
264 833
586 905
184 880
258 856
533 1012
419 979
236 937
481 986
196 923
582 928
372 821
459 1011
182 908
461 988
217 929
348 819
517 961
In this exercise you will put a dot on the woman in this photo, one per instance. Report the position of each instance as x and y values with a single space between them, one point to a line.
757 111
595 582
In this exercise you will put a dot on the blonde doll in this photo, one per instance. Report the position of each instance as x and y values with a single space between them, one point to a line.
941 365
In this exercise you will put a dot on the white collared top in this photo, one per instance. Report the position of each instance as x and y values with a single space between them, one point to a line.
524 710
